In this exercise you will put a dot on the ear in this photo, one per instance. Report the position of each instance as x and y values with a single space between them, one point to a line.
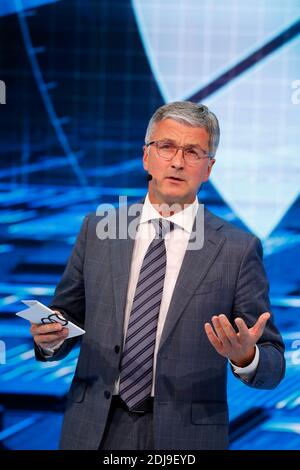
211 163
145 158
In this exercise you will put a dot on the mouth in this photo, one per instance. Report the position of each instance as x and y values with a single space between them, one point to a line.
174 178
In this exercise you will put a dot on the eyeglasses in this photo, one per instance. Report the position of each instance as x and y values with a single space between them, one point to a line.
192 154
54 318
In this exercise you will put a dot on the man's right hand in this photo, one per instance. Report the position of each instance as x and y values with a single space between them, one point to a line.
49 335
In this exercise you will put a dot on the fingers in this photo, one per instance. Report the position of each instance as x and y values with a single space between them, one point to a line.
259 326
225 331
225 337
255 332
48 335
219 331
51 339
213 339
229 331
238 347
39 329
243 330
263 318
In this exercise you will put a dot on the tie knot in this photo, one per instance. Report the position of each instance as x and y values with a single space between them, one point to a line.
162 227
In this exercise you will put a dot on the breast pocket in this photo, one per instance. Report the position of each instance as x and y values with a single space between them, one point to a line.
208 286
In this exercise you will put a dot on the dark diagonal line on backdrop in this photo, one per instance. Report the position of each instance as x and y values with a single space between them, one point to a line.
256 56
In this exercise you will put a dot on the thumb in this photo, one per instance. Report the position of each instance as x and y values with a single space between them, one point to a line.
259 326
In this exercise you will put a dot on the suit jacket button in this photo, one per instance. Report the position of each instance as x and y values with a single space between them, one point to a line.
107 394
117 349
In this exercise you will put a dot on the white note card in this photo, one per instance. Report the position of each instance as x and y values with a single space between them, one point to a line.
40 313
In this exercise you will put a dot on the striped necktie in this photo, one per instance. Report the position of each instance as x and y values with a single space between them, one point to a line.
137 360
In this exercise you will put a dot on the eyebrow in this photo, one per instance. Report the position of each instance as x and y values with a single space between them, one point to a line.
174 142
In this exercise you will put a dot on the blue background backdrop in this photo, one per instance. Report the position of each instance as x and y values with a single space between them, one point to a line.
82 79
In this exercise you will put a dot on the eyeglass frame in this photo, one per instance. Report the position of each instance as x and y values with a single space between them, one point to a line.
179 147
58 319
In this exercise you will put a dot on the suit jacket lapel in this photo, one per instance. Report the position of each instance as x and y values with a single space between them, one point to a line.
121 255
193 270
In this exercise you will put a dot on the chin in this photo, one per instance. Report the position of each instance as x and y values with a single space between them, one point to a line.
171 195
171 198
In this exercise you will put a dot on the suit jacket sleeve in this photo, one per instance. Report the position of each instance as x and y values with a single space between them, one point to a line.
251 300
69 297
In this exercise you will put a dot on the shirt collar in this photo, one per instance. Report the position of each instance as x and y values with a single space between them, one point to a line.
183 219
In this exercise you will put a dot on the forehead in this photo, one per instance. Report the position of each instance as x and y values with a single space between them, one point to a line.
170 129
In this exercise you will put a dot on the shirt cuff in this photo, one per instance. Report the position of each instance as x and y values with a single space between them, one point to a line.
248 371
48 352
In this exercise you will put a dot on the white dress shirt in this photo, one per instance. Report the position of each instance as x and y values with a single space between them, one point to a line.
176 243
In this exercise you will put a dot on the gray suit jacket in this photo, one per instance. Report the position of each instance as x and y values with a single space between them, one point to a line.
190 406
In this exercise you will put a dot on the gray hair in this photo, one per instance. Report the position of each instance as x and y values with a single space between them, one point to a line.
189 114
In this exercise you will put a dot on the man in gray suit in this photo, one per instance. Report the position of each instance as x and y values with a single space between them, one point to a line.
163 315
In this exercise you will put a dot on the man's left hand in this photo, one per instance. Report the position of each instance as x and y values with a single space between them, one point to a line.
239 347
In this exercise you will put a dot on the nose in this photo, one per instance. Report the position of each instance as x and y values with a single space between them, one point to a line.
178 159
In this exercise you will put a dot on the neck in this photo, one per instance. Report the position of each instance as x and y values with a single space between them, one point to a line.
167 209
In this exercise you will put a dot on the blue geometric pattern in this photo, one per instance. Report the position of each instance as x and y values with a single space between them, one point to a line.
259 61
79 97
8 7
